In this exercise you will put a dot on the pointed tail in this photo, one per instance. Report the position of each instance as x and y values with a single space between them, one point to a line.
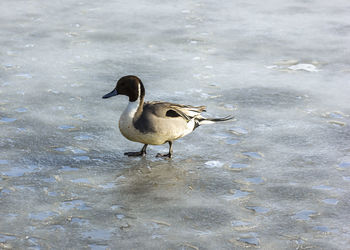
202 120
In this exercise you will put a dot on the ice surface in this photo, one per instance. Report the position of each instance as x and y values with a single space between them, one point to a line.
278 177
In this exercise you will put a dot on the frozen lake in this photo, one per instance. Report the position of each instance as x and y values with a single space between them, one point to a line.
278 177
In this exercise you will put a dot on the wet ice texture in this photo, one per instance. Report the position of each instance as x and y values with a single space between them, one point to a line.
276 178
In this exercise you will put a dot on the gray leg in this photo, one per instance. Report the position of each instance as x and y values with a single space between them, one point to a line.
141 153
170 154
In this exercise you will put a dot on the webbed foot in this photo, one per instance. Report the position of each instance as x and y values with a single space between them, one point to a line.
135 153
141 153
164 155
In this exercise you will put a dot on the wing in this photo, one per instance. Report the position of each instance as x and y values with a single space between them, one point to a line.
172 110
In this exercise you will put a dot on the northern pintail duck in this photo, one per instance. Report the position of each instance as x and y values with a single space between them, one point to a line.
155 123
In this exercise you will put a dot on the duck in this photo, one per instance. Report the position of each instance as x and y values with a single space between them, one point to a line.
155 122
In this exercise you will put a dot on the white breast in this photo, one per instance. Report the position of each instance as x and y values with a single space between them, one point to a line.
126 126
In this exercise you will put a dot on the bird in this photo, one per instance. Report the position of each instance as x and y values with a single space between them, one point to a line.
155 122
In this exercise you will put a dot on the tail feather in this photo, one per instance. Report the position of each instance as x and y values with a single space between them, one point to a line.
202 120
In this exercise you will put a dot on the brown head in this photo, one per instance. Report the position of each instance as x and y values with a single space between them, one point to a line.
130 86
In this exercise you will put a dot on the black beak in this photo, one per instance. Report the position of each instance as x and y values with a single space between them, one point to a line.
110 94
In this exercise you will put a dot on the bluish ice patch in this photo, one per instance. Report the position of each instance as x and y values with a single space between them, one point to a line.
74 204
5 191
222 135
66 127
259 210
157 236
58 108
254 155
120 216
25 188
254 180
5 238
21 110
241 224
53 194
64 149
98 247
68 168
55 228
49 180
335 115
322 229
33 242
98 234
83 137
250 241
6 84
80 180
7 119
54 91
238 166
304 215
9 216
72 149
238 131
330 201
254 241
232 141
116 207
21 130
79 221
78 151
237 195
214 164
3 162
42 215
323 187
107 185
82 158
18 171
79 116
344 165
25 75
346 178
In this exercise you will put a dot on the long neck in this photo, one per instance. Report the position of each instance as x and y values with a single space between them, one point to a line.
134 109
140 100
139 107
